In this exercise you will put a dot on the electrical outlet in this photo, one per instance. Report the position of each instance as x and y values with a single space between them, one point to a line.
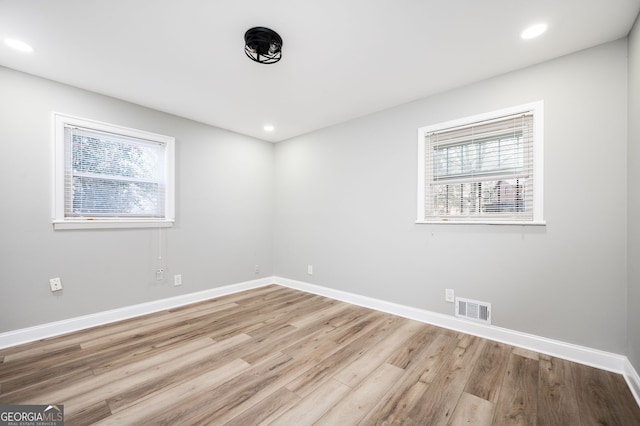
159 274
310 269
177 280
56 284
256 269
449 295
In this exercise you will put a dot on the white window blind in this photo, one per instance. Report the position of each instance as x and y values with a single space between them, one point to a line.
480 170
108 174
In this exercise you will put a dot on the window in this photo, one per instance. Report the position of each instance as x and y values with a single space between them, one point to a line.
108 176
482 169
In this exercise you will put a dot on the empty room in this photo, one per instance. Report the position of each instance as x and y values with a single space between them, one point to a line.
320 212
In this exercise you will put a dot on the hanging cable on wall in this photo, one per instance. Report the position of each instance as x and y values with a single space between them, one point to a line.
160 269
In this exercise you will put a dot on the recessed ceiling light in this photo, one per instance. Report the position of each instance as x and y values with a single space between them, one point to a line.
269 128
534 31
18 45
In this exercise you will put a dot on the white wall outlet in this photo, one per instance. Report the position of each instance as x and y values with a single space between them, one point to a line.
256 269
449 296
159 274
56 284
177 280
310 269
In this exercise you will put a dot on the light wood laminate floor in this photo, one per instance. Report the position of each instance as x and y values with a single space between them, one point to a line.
278 356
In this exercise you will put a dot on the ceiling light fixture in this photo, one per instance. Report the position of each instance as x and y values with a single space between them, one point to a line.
263 45
534 31
18 45
269 128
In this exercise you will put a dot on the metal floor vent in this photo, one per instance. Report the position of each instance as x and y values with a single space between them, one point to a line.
473 310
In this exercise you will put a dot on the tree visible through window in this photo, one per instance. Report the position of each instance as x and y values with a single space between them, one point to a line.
482 169
112 173
114 176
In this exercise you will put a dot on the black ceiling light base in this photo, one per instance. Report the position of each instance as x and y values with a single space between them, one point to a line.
263 45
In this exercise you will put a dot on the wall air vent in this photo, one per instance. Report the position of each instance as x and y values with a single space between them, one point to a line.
473 310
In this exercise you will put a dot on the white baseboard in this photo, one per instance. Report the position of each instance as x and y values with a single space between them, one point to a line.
30 334
581 354
633 380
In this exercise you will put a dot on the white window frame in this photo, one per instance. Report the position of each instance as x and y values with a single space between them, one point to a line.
60 221
538 142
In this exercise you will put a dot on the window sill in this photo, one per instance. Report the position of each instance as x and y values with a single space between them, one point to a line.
110 224
486 222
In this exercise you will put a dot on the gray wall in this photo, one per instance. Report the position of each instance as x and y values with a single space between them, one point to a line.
344 200
346 203
633 308
224 212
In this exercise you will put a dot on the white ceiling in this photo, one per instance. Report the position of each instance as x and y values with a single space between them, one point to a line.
341 58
